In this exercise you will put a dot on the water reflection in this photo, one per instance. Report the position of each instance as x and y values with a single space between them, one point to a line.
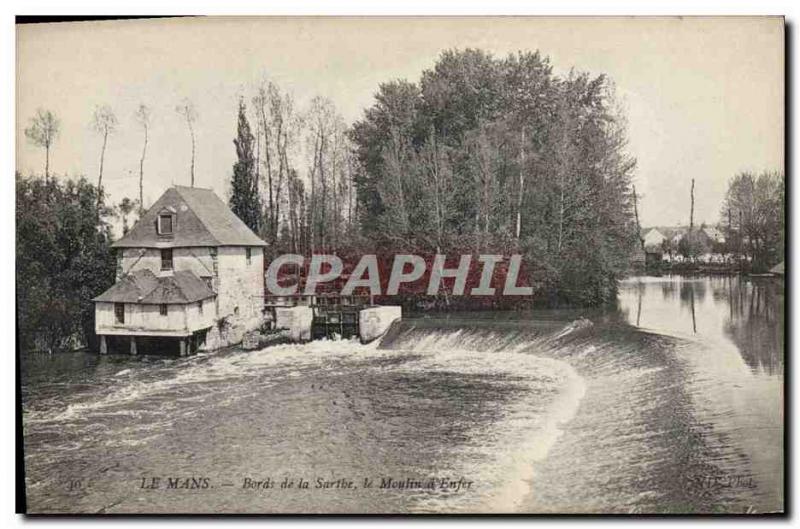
756 323
745 311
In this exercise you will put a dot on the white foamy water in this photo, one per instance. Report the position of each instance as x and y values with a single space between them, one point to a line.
576 416
143 404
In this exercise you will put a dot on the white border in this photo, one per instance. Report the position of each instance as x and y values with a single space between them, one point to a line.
315 7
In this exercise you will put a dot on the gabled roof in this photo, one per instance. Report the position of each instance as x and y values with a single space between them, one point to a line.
201 219
143 286
779 268
647 231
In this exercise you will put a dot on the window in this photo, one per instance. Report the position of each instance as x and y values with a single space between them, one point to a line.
166 259
200 306
119 312
249 252
165 224
163 309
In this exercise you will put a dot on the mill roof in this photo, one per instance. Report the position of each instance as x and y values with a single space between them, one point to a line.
143 286
201 218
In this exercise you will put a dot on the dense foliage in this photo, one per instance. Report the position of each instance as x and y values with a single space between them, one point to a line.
499 155
63 260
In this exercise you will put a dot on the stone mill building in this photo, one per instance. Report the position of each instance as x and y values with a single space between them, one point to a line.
190 276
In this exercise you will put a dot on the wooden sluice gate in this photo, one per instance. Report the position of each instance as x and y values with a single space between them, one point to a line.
313 317
337 315
331 314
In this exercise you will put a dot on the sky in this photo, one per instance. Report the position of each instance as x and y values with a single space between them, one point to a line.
704 97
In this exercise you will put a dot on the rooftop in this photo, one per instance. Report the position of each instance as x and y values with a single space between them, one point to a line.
143 286
200 219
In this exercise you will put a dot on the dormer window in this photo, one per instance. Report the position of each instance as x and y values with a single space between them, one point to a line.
166 224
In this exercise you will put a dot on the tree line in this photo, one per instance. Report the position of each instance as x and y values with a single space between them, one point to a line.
293 179
44 128
481 155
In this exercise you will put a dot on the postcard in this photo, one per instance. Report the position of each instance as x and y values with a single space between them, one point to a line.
410 265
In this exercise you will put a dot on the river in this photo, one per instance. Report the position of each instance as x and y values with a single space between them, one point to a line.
670 403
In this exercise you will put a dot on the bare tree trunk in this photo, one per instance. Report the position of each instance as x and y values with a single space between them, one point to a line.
560 215
292 213
349 198
323 223
268 162
141 174
312 206
334 220
191 131
691 211
100 177
437 192
741 241
690 239
257 179
728 241
258 149
283 168
636 215
521 181
47 162
398 177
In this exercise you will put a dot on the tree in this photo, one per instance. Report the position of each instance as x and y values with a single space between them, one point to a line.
668 248
280 125
244 200
63 258
125 207
694 244
104 123
437 185
143 116
187 110
327 144
395 119
528 87
43 132
502 155
754 210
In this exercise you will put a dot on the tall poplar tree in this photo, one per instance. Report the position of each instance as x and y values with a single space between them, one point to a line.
244 200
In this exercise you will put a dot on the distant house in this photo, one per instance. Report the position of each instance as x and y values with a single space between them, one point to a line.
653 239
190 275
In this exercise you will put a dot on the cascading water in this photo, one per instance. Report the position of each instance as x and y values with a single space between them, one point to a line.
442 415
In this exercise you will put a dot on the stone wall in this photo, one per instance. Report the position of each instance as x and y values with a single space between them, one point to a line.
373 322
297 320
